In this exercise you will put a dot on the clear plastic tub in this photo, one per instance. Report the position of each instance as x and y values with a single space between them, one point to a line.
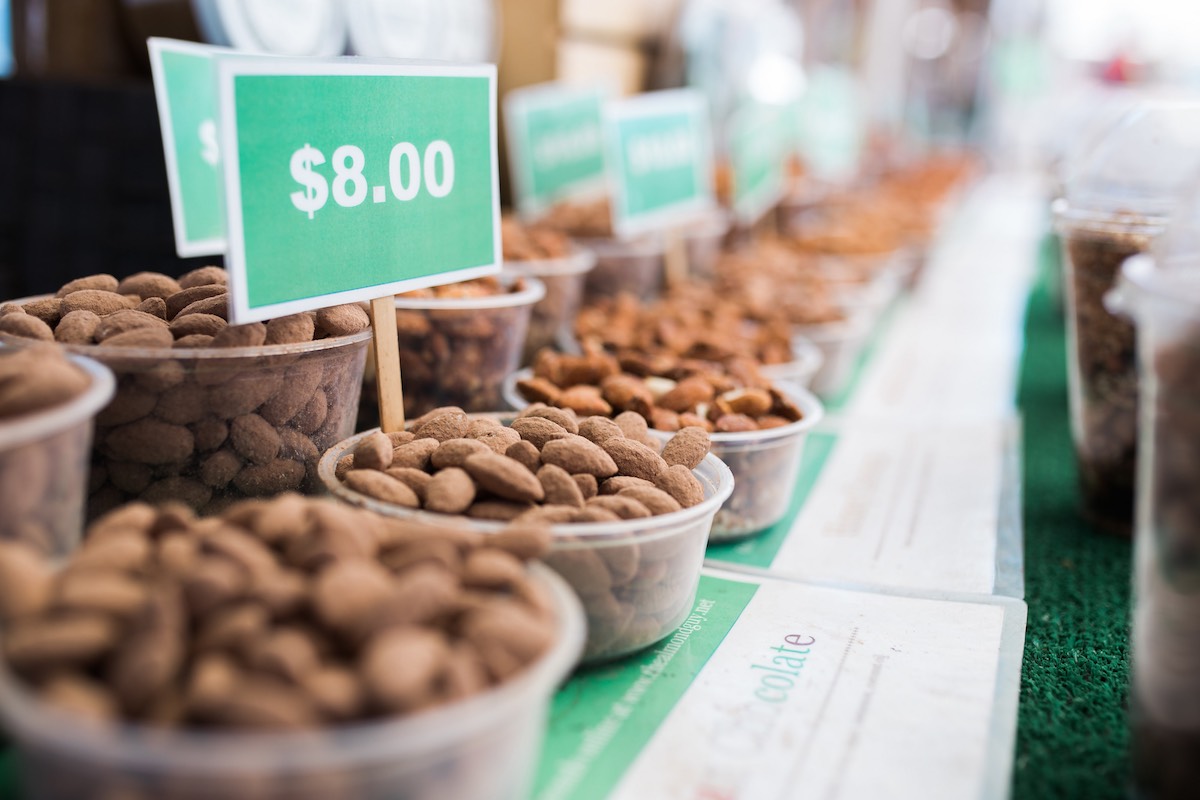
636 578
802 369
1101 361
840 343
704 241
867 284
1164 301
209 426
455 352
552 317
481 748
634 266
1119 197
764 465
44 467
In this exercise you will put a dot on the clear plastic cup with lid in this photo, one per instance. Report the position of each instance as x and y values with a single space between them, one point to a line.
1160 293
1118 200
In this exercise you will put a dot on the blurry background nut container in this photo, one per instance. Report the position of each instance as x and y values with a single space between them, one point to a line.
47 404
1162 295
204 412
1118 201
291 649
561 266
755 428
841 343
457 342
635 265
764 463
631 551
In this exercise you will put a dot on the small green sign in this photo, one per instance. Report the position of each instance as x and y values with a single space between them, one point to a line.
660 160
185 87
555 144
759 140
349 180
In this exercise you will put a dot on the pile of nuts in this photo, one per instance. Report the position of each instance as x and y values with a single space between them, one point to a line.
770 280
549 466
279 615
39 481
857 223
581 219
457 356
560 266
149 309
201 430
671 393
692 321
532 242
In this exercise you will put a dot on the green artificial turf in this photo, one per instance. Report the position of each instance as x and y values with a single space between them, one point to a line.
1071 732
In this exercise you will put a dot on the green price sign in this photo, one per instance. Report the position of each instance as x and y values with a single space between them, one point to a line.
758 145
555 144
185 87
347 181
659 150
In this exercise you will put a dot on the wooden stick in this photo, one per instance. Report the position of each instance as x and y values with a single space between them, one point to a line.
676 259
386 348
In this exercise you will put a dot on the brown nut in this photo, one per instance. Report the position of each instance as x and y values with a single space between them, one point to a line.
450 491
577 455
688 447
504 477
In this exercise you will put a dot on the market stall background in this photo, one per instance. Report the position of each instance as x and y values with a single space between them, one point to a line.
959 373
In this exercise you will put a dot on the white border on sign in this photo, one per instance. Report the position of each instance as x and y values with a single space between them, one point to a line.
670 101
518 104
231 67
184 246
756 204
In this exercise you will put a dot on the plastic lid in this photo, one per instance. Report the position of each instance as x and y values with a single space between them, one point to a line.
1143 164
1170 275
278 27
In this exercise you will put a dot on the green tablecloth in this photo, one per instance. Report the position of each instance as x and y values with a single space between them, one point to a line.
1071 731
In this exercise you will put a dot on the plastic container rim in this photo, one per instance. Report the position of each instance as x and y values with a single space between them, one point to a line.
40 425
579 261
806 358
588 533
534 291
612 247
197 353
1069 219
418 735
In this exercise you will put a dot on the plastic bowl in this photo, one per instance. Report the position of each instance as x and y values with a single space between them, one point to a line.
635 266
479 748
552 317
800 371
456 351
636 578
704 242
840 343
44 467
764 465
168 432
